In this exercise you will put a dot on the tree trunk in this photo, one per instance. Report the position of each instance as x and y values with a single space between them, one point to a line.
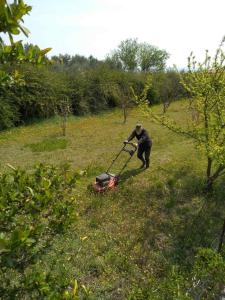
222 287
124 114
211 179
64 125
209 167
166 105
221 238
208 175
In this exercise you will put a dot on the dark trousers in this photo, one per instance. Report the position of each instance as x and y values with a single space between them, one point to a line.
146 150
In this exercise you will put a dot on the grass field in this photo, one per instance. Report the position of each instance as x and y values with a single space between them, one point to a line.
154 218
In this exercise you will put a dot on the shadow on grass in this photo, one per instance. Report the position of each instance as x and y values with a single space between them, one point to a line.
183 217
201 229
130 173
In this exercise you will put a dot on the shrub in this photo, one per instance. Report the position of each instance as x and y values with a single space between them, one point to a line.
9 115
34 208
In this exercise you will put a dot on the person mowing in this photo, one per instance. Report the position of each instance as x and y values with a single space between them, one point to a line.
144 144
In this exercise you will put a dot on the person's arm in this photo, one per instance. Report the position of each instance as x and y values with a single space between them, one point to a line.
131 136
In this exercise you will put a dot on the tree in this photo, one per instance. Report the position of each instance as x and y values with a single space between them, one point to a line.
221 238
132 56
168 88
64 110
151 58
205 83
116 87
114 61
122 92
11 16
128 51
126 100
125 57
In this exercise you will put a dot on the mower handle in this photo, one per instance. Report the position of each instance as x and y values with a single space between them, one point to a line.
131 152
132 144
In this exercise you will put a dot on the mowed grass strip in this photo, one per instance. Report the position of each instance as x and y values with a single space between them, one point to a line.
48 145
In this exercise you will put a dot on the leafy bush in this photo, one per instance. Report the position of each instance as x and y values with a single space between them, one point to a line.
38 95
8 114
166 87
101 88
90 90
34 208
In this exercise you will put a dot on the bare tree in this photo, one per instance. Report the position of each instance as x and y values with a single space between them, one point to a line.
64 110
122 92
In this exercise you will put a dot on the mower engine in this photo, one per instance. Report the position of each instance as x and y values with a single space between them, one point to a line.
105 181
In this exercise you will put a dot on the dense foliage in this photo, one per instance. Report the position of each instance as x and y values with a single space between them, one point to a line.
88 89
12 55
35 207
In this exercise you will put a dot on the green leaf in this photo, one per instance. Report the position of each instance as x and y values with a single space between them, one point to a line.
39 59
14 30
46 50
11 167
3 243
25 30
30 190
30 241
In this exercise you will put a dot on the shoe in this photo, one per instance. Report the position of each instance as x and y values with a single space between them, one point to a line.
147 165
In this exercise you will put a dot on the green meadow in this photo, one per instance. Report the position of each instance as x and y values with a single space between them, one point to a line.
154 219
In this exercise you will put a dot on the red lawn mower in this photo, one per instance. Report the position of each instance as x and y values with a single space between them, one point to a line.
107 181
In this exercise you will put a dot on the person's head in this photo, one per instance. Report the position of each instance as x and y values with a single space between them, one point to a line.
138 128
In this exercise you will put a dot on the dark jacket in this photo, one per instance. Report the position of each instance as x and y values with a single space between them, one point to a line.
143 137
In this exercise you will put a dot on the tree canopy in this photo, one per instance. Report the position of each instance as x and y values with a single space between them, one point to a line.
133 56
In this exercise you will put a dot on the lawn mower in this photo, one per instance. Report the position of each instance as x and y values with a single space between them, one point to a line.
107 181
